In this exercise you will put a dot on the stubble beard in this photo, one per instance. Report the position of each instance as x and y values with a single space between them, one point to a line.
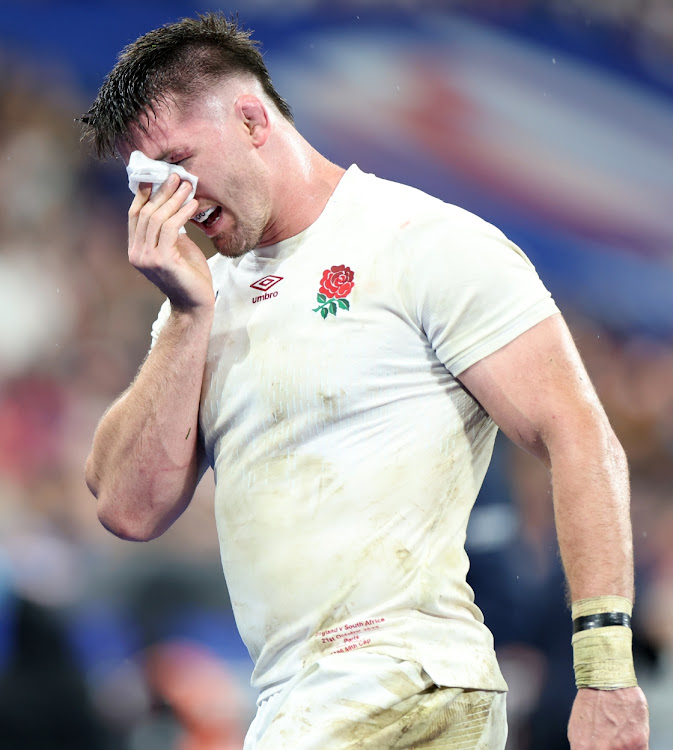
241 239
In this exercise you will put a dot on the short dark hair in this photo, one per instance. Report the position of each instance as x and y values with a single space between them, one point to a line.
177 59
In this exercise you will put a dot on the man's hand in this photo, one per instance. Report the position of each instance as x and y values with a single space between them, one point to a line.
171 261
609 720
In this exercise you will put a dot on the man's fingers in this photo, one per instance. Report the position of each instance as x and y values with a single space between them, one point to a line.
139 200
168 187
187 211
170 228
165 212
155 249
158 209
145 198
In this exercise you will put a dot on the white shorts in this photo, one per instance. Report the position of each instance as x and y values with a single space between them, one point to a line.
373 702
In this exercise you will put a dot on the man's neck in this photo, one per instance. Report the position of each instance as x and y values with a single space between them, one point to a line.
302 191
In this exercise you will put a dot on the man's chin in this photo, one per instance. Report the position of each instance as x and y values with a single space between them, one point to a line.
234 246
233 253
229 249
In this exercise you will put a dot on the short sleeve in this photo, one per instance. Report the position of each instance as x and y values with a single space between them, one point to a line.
470 290
160 322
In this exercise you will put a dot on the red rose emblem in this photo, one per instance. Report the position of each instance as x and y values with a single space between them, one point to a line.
337 282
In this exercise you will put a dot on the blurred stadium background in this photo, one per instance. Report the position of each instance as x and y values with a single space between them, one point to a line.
552 119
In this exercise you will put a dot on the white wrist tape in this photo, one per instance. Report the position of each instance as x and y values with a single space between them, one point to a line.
602 654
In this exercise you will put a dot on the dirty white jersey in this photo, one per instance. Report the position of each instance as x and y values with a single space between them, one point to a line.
347 454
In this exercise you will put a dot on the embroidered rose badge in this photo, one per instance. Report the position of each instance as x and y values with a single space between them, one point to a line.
336 284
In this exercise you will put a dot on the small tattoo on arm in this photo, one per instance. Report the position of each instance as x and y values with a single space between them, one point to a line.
188 431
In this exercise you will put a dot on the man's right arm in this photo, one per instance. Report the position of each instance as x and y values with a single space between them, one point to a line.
144 463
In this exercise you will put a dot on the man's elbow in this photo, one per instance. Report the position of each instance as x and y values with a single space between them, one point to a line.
137 509
110 512
126 527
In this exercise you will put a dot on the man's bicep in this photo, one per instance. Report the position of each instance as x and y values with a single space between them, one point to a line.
536 388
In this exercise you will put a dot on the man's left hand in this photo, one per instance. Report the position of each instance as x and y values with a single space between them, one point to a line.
609 720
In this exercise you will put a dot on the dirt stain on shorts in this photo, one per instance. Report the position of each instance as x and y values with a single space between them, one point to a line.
364 701
439 718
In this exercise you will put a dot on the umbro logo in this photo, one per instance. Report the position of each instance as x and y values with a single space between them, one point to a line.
264 284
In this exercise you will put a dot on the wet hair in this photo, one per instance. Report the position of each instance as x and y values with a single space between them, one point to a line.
174 61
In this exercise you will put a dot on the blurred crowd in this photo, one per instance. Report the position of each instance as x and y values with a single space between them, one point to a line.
133 647
642 29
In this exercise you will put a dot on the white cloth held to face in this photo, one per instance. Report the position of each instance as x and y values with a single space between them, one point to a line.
143 169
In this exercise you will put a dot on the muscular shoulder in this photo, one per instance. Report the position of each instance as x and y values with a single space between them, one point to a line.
398 206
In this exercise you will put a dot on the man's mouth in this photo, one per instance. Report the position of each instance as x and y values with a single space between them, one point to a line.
208 217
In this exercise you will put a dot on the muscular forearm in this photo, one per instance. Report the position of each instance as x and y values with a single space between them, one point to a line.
591 503
591 500
144 461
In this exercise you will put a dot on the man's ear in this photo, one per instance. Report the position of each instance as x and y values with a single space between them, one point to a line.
255 117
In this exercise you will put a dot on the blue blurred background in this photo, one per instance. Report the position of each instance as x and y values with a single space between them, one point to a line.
553 119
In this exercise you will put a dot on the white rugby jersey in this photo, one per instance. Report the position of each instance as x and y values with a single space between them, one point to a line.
347 455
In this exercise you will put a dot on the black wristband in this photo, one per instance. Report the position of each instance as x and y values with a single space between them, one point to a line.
602 620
